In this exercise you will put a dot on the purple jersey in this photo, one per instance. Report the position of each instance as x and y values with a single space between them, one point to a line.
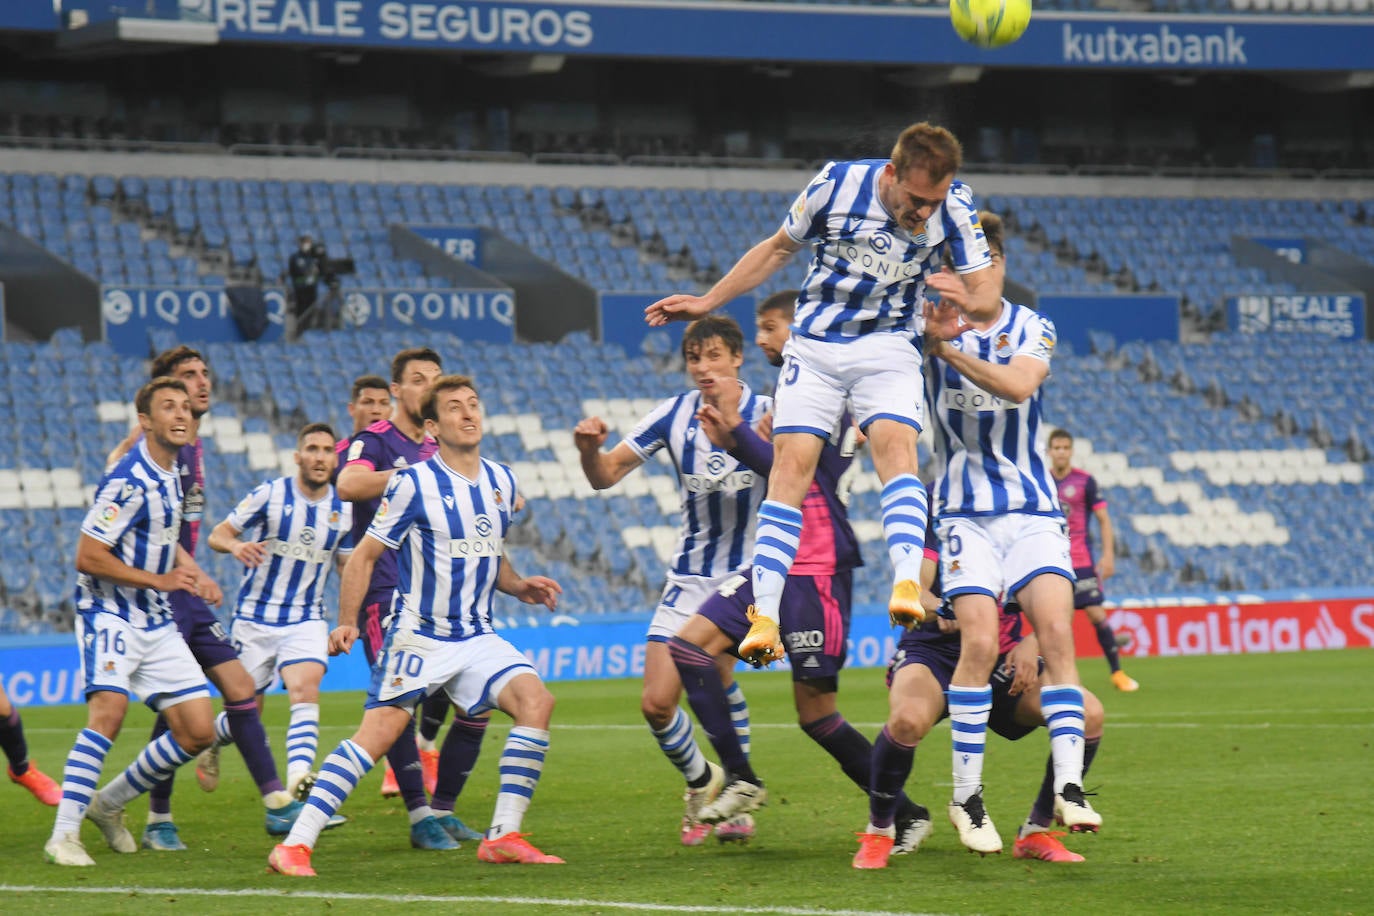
191 469
828 544
382 447
1079 498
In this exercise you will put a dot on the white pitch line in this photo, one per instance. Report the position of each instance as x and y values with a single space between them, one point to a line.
433 898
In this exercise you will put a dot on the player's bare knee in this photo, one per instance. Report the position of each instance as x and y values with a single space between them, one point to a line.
1093 715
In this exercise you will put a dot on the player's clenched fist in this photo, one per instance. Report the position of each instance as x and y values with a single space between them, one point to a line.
590 434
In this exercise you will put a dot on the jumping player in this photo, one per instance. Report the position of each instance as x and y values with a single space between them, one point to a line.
878 230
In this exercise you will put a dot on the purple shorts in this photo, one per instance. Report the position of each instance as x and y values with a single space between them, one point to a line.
940 653
200 627
814 620
1087 591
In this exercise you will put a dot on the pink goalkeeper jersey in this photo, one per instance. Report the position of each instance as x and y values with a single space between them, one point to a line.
1079 498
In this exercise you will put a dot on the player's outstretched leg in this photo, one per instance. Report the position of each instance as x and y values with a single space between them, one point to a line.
709 700
775 548
904 508
157 762
338 777
456 760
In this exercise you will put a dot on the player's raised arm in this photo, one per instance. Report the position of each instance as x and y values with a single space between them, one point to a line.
758 264
603 469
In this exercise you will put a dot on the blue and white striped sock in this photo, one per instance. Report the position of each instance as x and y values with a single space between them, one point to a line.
339 776
969 708
157 761
775 547
302 738
904 507
679 745
1062 707
79 779
739 714
522 763
223 735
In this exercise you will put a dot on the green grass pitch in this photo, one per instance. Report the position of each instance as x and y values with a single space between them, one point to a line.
1232 784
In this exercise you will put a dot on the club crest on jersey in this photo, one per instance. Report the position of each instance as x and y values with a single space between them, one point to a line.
397 682
334 519
110 667
1002 346
1070 491
355 451
496 496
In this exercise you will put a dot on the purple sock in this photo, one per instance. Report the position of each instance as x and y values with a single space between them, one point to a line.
1042 812
891 765
160 795
432 714
246 727
1107 640
843 741
404 758
706 696
12 742
457 758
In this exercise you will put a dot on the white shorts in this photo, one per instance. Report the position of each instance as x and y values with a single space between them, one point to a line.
473 671
154 665
682 597
265 650
879 375
997 555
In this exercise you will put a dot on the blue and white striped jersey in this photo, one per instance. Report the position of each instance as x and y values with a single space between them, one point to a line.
137 513
448 533
988 455
720 496
868 273
301 538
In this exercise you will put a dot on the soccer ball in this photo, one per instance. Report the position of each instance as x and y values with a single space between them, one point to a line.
989 23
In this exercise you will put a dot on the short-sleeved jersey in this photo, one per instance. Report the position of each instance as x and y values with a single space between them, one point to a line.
720 496
1079 499
988 457
191 469
382 447
868 273
301 538
137 513
448 534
